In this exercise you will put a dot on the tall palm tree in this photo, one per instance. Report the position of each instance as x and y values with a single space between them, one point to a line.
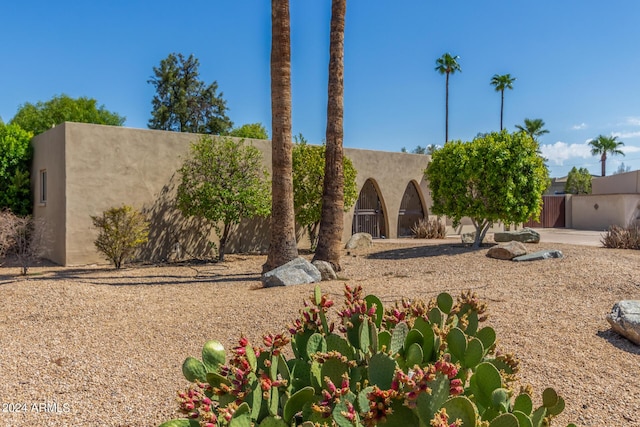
447 64
533 127
282 245
332 219
501 83
603 145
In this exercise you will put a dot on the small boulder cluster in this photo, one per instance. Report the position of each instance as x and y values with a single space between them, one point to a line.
300 271
511 246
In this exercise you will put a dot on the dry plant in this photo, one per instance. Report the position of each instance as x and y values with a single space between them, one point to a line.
22 237
429 229
6 232
622 238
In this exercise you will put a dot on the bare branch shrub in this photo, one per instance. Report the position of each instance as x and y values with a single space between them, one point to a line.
622 238
7 220
22 237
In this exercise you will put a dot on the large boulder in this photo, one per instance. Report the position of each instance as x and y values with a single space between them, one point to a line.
360 241
296 272
536 256
625 319
325 269
526 235
507 251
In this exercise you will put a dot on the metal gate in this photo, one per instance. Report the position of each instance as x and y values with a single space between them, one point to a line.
369 216
410 211
553 213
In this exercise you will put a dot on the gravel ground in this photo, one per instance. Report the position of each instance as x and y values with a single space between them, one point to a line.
92 346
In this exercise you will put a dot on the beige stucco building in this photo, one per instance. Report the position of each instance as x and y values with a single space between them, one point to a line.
80 170
614 200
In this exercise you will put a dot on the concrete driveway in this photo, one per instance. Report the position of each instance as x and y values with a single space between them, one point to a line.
571 236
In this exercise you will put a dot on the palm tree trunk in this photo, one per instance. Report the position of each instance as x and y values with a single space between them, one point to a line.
282 245
501 107
332 218
446 111
603 161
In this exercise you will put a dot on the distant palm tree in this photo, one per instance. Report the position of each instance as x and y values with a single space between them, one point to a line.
447 64
604 145
501 83
533 127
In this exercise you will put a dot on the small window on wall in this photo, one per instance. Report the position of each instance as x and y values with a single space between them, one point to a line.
43 186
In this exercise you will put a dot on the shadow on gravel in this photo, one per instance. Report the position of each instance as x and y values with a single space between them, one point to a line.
226 278
426 251
619 341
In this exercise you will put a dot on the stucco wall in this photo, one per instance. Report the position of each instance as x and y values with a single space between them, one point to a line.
49 154
623 183
599 211
390 172
99 167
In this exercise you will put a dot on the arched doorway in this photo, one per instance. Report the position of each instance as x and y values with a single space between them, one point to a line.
411 210
368 216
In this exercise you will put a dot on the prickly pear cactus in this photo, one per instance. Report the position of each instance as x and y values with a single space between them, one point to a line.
414 364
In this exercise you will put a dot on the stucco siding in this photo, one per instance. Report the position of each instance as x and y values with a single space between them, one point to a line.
391 172
600 211
97 167
623 183
49 154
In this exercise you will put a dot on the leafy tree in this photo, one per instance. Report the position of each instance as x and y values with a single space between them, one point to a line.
42 116
184 103
282 246
250 130
308 179
622 169
446 65
223 181
578 181
533 127
502 82
329 246
121 231
498 177
603 145
15 159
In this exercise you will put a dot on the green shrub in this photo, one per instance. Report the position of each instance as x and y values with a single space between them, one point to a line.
622 238
15 162
414 364
120 232
429 229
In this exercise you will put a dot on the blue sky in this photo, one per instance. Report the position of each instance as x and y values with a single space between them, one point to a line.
577 65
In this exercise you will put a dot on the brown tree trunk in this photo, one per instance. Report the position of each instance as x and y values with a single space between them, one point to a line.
332 220
446 111
501 108
282 245
603 161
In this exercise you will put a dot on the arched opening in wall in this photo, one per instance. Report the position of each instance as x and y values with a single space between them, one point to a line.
411 210
368 216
